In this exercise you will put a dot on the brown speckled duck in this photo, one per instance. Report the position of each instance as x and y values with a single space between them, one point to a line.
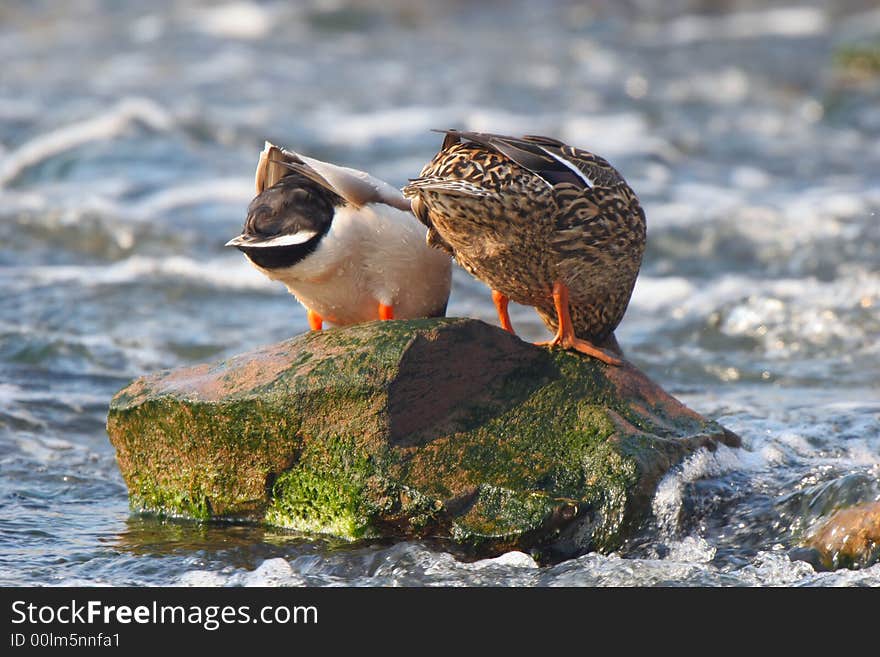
542 223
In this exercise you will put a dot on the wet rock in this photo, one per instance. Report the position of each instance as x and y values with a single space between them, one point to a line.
808 505
850 538
810 555
445 428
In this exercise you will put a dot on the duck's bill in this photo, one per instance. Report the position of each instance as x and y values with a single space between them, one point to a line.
293 239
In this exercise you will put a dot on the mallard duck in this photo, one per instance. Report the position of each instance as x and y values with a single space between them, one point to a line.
543 224
343 242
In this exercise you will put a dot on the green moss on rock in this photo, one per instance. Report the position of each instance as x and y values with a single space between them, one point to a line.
448 428
859 59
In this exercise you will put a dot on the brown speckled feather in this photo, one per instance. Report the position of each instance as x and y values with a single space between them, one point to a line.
522 213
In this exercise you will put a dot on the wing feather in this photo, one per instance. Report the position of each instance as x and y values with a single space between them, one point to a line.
550 159
357 187
445 185
532 155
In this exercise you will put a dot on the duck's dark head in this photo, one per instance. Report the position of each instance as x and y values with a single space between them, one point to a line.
286 222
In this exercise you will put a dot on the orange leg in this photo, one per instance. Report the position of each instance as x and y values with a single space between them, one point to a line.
501 302
316 322
386 312
565 336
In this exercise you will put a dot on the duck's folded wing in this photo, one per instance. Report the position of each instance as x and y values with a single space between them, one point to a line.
357 187
550 159
540 155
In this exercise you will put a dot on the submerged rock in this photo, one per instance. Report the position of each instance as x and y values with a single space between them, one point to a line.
850 538
445 428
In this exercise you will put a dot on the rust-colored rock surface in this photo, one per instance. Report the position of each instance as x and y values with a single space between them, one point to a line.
446 428
850 538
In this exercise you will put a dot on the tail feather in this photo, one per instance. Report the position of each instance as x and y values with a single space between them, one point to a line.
271 167
436 184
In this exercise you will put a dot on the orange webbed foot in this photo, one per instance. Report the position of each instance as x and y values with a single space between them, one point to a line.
316 322
565 336
582 346
501 301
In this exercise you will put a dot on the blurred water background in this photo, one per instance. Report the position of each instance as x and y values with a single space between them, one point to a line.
750 130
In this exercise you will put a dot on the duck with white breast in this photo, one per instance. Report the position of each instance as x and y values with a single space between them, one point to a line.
345 243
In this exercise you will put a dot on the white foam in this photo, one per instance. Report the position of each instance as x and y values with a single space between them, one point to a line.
146 29
667 503
595 62
236 191
776 569
864 451
45 449
613 570
80 582
607 134
780 22
358 130
783 217
202 578
104 126
11 393
272 572
726 87
230 271
750 177
845 577
691 549
513 559
502 122
653 293
773 311
613 135
234 20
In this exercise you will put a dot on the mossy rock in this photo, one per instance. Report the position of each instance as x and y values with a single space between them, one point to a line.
445 428
861 60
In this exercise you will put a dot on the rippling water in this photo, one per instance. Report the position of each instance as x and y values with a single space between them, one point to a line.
128 136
